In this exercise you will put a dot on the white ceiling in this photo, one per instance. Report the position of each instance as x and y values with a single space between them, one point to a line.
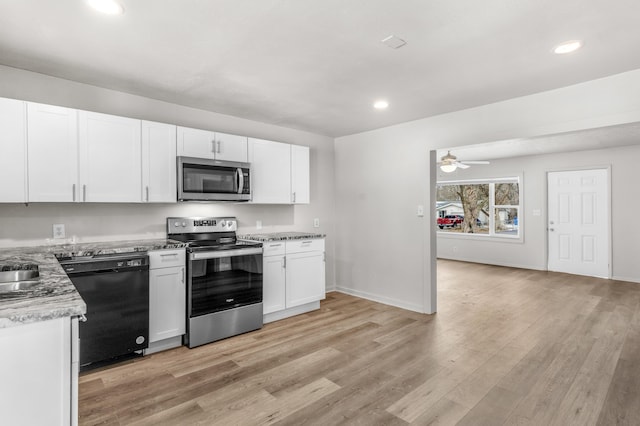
583 140
318 65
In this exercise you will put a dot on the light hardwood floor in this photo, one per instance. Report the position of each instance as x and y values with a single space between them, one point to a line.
508 346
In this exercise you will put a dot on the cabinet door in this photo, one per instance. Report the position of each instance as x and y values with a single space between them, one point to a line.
270 171
273 284
305 278
300 174
35 365
167 300
52 140
196 143
13 146
158 162
231 147
110 158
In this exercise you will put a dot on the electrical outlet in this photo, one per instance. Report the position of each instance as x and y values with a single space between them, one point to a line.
58 230
316 223
420 211
258 224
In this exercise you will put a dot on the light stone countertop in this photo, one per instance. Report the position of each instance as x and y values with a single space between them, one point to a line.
281 236
55 296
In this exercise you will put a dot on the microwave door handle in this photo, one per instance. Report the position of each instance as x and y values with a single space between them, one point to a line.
240 176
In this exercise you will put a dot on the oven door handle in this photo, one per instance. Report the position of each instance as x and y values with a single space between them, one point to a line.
240 178
224 253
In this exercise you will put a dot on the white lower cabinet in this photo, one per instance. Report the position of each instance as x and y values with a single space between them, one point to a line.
305 278
39 380
273 283
293 277
167 299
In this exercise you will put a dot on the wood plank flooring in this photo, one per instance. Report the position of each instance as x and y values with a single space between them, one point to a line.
508 346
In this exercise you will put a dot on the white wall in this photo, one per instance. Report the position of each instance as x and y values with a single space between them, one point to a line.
382 247
22 225
532 251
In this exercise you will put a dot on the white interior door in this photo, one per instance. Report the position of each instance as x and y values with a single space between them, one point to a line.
578 222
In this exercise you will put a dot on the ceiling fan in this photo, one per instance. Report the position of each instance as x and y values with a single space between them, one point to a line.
450 163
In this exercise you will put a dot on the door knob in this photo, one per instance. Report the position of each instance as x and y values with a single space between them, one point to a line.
551 229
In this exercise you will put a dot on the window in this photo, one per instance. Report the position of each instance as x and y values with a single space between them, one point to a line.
489 207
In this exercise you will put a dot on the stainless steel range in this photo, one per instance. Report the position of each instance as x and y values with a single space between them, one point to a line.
224 278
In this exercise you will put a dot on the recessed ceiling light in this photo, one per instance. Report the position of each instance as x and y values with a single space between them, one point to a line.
381 104
393 42
109 7
567 47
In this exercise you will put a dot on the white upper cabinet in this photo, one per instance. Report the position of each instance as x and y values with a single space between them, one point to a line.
13 149
52 140
110 158
231 147
270 171
158 162
300 174
206 144
196 143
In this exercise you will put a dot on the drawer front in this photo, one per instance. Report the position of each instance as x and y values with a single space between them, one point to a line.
166 258
273 248
301 246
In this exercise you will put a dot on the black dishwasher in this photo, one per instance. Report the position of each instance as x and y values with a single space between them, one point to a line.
116 291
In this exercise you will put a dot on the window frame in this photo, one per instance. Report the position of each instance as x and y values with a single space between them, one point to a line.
492 235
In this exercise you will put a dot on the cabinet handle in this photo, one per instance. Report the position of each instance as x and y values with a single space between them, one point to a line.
84 192
182 275
284 262
219 147
168 254
306 242
294 197
275 245
147 193
73 191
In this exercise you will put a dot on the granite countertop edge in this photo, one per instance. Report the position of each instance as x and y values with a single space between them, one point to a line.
56 296
281 236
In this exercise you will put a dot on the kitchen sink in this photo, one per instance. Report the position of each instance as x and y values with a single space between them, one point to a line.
19 275
17 286
20 279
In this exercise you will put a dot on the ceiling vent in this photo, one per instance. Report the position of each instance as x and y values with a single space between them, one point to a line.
393 42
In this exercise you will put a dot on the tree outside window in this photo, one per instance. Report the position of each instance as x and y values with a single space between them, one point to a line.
490 207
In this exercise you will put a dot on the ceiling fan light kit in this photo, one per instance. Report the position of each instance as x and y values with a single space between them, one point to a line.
449 163
448 168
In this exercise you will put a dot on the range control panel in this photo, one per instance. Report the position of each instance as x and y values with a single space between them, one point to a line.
183 225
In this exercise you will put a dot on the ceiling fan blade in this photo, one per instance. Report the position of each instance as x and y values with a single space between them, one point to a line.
474 162
461 165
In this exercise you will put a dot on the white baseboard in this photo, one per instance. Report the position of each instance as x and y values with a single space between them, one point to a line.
506 264
286 313
163 345
381 299
627 279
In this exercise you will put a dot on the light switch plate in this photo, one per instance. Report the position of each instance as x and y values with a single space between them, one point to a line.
316 223
420 211
258 224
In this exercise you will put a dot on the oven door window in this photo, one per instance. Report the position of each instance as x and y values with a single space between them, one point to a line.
205 179
225 283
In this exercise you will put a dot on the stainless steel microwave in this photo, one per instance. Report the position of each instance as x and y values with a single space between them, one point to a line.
200 179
